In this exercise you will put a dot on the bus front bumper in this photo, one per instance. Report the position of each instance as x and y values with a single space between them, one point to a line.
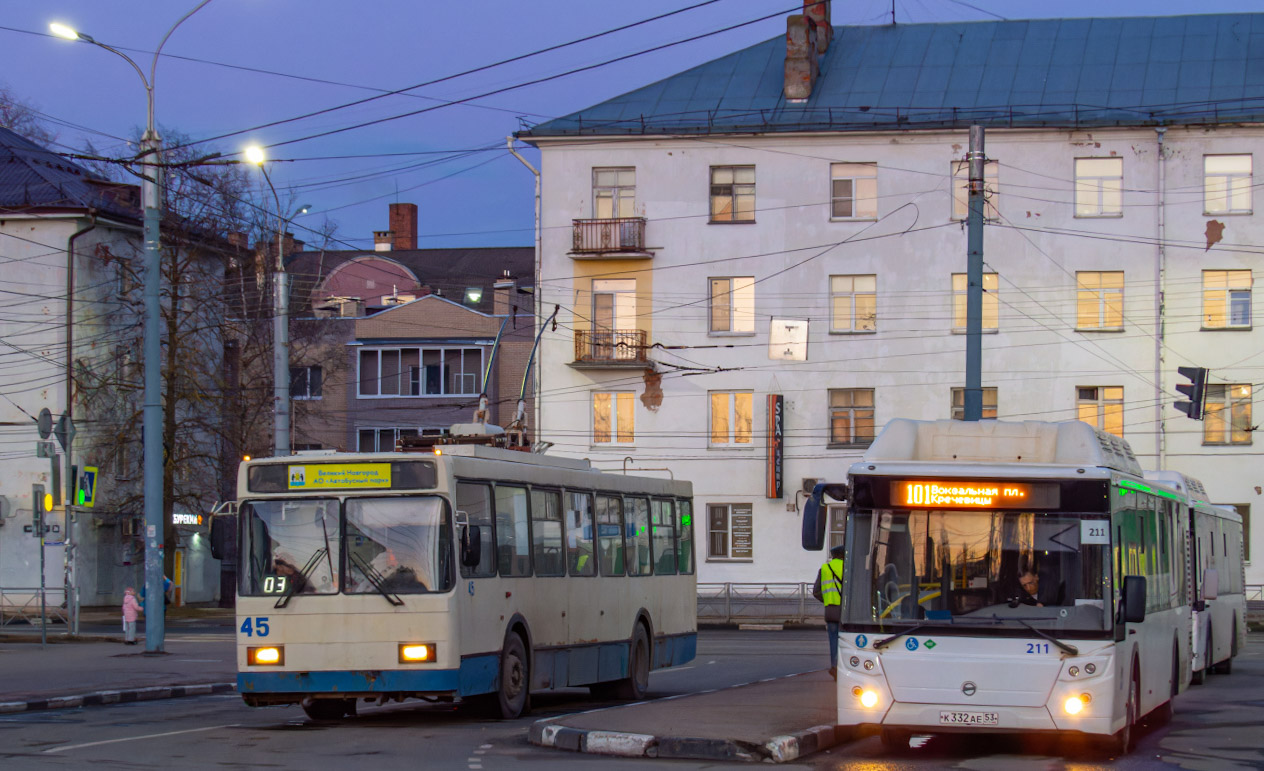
952 718
291 687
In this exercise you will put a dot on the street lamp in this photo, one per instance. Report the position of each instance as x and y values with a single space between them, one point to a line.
280 315
151 200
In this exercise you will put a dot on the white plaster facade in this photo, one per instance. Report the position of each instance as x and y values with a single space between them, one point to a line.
1036 359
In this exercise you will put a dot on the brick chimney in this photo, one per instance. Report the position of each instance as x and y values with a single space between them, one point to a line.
403 222
802 64
819 12
503 294
382 240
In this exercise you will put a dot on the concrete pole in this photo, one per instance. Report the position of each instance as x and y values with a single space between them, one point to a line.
974 278
151 192
1160 280
281 345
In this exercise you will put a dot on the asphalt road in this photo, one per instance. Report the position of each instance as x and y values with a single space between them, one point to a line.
1216 727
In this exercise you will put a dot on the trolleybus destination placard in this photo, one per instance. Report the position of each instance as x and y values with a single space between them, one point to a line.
971 494
344 476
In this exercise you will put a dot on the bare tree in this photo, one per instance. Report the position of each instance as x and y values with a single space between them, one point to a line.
22 118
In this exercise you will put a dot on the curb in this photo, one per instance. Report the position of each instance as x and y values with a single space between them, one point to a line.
99 698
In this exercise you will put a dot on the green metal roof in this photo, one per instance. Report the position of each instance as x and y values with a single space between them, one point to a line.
1039 73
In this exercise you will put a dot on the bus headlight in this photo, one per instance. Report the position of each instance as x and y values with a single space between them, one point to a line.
868 698
1076 704
266 656
413 653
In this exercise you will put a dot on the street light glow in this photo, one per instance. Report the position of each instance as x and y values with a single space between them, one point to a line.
62 31
255 155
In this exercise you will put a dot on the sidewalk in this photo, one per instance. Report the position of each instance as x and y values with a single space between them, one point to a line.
776 720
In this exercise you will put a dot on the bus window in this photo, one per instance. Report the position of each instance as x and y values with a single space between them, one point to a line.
637 529
579 534
398 545
684 536
476 502
610 535
512 535
290 547
546 533
663 537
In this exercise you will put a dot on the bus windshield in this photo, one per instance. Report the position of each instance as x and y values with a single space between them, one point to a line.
398 545
290 547
999 568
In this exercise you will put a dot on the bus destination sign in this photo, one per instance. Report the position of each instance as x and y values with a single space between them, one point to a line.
971 494
340 476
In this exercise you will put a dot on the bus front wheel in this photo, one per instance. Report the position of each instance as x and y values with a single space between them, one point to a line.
328 709
514 696
1121 742
637 683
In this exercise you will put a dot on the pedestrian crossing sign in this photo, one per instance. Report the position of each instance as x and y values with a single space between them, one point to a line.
86 493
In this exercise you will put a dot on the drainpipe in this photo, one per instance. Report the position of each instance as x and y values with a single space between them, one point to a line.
71 590
536 290
1160 288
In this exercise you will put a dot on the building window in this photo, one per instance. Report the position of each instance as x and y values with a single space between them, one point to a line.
1227 414
853 303
851 416
1099 299
1226 299
381 439
959 404
854 191
991 302
1227 184
613 418
961 190
731 417
1101 407
305 382
733 305
420 372
1098 187
1244 511
732 193
730 531
614 193
837 526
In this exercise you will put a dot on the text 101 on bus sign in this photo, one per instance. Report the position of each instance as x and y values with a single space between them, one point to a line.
970 494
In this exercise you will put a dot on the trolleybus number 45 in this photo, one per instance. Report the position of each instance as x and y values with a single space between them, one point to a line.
969 718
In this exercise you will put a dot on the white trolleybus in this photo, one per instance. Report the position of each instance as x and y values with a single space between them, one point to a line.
464 572
1008 577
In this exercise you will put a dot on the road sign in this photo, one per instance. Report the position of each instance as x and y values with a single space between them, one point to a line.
64 431
45 423
45 449
86 495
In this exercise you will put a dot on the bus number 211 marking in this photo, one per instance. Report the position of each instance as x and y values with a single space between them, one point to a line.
258 627
1031 647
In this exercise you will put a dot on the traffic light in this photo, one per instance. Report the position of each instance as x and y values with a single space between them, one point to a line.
39 507
1196 390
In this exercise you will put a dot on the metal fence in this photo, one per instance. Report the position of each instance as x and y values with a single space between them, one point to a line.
731 603
22 604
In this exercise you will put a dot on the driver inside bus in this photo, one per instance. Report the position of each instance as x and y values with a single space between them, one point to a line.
1035 592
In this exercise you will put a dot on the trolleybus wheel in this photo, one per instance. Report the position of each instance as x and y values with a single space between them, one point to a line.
637 682
514 696
1226 667
328 709
1121 742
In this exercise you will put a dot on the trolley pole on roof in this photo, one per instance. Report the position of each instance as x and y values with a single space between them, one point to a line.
976 160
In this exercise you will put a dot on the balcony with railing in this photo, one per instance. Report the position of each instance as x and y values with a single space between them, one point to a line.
622 236
610 348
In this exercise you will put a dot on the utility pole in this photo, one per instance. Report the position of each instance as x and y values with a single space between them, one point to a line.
976 160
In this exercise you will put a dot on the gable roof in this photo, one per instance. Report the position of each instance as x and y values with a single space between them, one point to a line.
1136 71
35 178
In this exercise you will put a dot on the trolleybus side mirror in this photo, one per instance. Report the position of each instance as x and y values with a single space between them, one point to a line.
223 530
815 514
471 545
1134 599
1211 584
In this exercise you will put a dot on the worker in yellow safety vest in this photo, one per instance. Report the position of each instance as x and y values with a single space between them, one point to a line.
828 589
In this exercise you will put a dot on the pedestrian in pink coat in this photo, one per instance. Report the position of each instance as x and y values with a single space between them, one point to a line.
131 609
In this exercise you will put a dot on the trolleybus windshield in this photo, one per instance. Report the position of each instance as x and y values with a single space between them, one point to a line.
1008 567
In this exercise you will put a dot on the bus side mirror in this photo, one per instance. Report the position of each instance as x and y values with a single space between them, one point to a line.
223 536
1134 599
471 546
1211 584
815 513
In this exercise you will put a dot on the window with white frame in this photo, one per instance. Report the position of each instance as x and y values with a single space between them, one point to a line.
959 403
1226 299
731 418
730 531
991 302
732 193
1101 407
851 416
305 382
417 371
961 190
613 417
614 192
853 191
1099 299
1227 184
381 439
1227 414
853 303
1099 186
837 526
732 306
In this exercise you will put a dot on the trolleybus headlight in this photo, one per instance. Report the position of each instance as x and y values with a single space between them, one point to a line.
1073 671
868 665
854 661
266 656
1090 668
412 653
867 698
1076 704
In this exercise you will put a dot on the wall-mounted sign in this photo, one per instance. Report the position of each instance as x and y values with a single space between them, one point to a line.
186 519
788 340
743 539
776 445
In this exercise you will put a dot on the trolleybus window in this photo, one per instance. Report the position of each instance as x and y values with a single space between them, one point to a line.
290 547
610 535
684 532
512 536
546 533
398 545
579 534
475 501
637 529
663 535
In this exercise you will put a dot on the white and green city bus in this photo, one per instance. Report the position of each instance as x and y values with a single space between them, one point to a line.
464 572
1007 577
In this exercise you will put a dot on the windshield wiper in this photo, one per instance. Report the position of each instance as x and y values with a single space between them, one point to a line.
311 565
1071 649
376 579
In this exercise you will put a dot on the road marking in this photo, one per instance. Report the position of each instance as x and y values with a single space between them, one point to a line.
137 738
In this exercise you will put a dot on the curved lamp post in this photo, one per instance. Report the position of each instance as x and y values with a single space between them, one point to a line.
151 201
280 315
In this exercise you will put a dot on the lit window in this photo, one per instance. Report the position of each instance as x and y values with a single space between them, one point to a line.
1227 414
853 303
851 416
1226 299
613 418
991 302
854 191
732 193
1101 407
614 193
1227 184
959 403
731 417
1099 299
1099 187
961 190
733 305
